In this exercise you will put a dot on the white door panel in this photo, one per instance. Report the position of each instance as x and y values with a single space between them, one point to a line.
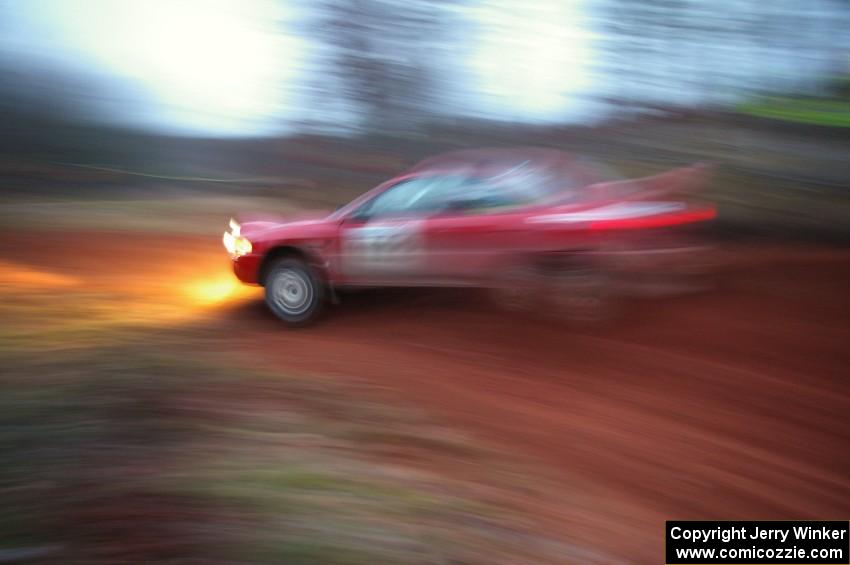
383 251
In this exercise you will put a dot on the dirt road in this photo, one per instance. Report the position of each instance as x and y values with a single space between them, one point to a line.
728 405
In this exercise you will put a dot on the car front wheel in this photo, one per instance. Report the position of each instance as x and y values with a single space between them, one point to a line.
293 292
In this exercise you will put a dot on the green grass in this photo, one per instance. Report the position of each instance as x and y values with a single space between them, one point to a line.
821 112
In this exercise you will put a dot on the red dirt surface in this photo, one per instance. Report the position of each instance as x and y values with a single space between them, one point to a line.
729 405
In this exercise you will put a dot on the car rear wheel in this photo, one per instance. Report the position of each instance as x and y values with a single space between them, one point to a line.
583 296
577 294
518 289
293 292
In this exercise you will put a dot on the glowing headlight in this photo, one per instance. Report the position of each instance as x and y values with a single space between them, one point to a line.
235 228
233 241
243 246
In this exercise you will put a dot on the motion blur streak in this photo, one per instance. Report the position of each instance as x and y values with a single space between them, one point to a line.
24 278
539 44
636 211
215 291
266 67
199 66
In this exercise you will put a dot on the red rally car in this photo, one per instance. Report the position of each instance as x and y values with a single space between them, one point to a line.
538 227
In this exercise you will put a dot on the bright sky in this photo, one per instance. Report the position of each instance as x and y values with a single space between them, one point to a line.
254 67
205 66
527 60
235 67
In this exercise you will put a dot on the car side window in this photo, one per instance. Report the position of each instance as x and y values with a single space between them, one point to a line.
520 186
421 195
479 196
487 195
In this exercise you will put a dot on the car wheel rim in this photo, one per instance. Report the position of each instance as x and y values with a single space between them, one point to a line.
292 292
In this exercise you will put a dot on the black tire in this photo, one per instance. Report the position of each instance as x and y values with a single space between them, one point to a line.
293 291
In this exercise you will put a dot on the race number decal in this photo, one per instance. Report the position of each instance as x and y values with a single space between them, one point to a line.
391 247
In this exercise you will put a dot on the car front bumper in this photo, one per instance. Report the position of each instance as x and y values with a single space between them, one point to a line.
247 268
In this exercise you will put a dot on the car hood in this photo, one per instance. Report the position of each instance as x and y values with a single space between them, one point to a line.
256 223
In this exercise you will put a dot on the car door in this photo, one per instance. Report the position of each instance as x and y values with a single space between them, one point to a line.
479 229
382 242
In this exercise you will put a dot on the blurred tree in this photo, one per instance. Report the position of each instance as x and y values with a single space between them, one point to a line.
381 50
692 53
